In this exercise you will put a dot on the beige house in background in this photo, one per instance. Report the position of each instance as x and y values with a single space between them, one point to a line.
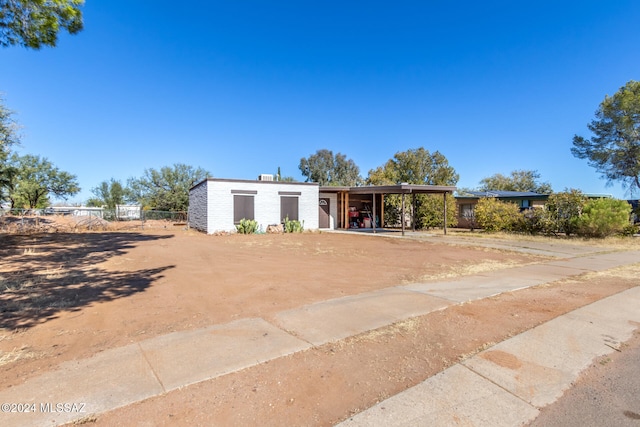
466 203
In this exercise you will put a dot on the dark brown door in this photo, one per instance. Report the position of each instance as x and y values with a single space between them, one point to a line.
324 213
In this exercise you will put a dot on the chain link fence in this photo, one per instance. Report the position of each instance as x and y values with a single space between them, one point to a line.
78 218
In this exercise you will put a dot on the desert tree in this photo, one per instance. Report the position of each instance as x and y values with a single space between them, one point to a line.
166 189
614 148
36 23
414 166
109 193
518 180
325 168
34 179
9 137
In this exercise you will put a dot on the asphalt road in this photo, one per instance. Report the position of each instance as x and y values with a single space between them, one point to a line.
606 394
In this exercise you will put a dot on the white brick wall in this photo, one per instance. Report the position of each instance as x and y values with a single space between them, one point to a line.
219 203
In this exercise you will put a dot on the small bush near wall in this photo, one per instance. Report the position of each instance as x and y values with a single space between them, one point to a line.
293 226
247 226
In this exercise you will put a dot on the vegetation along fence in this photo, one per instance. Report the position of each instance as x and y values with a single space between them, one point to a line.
119 214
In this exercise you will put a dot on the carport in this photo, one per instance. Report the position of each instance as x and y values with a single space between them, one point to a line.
377 193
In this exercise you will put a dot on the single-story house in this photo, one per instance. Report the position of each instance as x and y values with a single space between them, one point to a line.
524 199
218 205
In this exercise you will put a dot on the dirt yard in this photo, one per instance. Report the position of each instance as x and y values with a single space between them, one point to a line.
66 296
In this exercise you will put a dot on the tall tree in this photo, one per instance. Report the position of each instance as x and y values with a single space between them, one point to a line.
35 178
519 180
326 169
36 23
166 189
109 194
8 137
415 166
614 148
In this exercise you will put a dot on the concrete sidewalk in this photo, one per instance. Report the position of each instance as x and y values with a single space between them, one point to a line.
514 377
507 384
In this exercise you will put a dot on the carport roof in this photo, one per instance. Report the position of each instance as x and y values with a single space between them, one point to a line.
391 189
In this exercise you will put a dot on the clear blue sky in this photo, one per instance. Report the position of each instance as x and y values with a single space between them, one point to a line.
242 87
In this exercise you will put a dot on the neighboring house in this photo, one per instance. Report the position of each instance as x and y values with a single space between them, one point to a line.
128 212
635 215
466 202
218 205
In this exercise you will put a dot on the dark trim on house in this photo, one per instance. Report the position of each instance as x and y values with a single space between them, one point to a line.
244 191
253 181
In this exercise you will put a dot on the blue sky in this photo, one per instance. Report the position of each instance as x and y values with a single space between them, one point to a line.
240 88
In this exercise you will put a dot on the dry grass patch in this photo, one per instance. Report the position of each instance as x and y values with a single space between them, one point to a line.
16 354
612 242
475 268
625 272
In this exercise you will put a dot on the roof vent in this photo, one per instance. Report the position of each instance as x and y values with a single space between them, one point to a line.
265 177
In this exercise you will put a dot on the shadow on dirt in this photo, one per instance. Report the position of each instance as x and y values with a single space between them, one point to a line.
41 275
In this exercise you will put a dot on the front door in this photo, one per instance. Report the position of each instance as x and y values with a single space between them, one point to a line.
324 221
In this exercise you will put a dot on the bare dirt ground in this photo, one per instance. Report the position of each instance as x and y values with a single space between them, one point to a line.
66 296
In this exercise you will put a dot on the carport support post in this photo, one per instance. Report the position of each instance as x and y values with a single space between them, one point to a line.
373 214
445 212
402 214
346 211
413 211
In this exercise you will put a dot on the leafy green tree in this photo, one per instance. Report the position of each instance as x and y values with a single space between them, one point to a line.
603 217
326 169
519 180
415 166
496 215
109 194
35 178
166 189
36 23
8 137
614 148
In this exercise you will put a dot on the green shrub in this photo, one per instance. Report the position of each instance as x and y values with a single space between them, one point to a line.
563 210
533 221
293 226
495 215
247 226
430 210
603 217
630 229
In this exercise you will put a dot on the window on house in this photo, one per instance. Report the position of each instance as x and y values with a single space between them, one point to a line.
243 208
466 211
289 208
